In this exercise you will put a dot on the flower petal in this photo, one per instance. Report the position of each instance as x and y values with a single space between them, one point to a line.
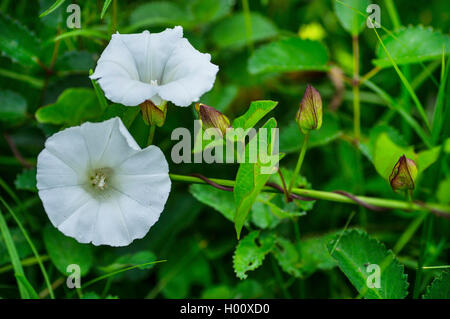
52 172
144 177
188 74
80 224
110 228
138 218
118 75
151 51
60 203
69 146
125 91
108 143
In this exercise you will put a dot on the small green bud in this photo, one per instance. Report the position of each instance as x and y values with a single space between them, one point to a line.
309 115
403 174
153 114
211 118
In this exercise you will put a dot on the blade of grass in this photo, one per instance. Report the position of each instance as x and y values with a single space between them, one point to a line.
33 248
34 82
83 33
113 273
52 8
406 116
393 13
13 255
248 24
105 7
389 32
24 281
25 262
438 116
405 83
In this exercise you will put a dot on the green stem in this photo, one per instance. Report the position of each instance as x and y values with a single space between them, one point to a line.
279 278
426 236
393 13
356 102
299 162
248 24
329 196
33 248
151 134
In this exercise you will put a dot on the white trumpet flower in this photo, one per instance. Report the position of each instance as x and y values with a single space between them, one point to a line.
158 67
97 185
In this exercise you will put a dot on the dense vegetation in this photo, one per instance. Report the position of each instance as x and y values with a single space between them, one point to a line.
384 92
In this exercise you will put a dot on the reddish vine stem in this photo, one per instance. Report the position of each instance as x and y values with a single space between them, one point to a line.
360 202
302 198
16 151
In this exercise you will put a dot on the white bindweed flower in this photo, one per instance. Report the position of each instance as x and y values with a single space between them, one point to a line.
97 185
158 67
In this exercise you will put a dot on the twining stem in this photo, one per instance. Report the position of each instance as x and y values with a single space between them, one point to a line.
356 102
151 134
331 196
299 162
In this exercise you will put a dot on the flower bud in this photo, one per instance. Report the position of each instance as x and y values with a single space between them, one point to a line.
211 118
403 175
309 115
153 114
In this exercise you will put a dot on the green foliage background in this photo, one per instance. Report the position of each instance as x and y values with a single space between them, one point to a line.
266 52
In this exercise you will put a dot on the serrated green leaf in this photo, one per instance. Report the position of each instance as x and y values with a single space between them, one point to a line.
355 251
349 14
439 288
26 180
250 252
256 111
288 257
413 44
315 255
231 32
288 55
73 107
64 251
12 107
17 42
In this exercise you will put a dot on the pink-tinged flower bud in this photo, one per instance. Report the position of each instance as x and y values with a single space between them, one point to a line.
153 114
309 115
211 118
403 174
